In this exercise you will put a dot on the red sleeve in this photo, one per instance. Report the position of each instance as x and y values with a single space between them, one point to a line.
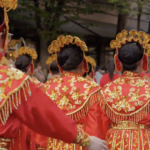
93 123
106 123
97 123
41 115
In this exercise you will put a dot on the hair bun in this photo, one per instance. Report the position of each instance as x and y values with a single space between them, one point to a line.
129 55
70 57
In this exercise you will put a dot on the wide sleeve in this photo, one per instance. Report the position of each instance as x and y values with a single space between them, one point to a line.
41 115
97 123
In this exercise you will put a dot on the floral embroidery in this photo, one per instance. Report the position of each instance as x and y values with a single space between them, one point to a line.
64 102
137 83
75 96
12 74
53 95
135 94
118 81
67 94
80 79
115 93
123 104
65 88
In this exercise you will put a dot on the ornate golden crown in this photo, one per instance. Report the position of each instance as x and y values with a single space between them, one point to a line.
90 60
61 41
8 4
133 36
51 59
25 50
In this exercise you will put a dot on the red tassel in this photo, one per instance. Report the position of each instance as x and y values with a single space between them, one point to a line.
145 63
117 64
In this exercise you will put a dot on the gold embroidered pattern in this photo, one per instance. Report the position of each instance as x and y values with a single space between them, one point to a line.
70 97
13 74
10 96
65 88
25 50
53 95
127 135
128 99
82 139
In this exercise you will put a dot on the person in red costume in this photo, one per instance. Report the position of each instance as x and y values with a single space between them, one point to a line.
110 76
22 102
24 62
126 100
76 96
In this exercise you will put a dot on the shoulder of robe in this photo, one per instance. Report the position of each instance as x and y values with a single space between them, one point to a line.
11 82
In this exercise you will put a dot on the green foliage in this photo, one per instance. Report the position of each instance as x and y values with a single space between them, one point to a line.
124 6
44 16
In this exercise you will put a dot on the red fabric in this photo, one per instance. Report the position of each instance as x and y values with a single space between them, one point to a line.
76 85
41 115
95 122
91 122
118 97
106 79
38 113
144 74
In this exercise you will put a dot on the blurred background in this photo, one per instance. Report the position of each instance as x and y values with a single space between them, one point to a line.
95 21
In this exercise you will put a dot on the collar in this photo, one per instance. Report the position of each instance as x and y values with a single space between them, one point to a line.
66 73
130 74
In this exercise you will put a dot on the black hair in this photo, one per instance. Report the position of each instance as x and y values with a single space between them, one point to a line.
70 57
97 68
22 62
37 64
111 68
54 68
1 15
129 55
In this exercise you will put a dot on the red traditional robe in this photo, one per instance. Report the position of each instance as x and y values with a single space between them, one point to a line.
22 102
106 79
79 99
126 103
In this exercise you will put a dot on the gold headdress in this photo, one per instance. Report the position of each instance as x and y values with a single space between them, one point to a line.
26 50
6 5
90 60
51 59
61 41
138 37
